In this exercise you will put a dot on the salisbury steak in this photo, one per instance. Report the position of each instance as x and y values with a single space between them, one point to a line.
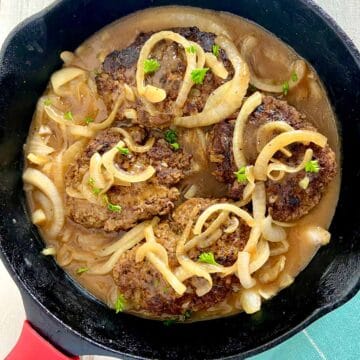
287 201
119 68
139 201
144 287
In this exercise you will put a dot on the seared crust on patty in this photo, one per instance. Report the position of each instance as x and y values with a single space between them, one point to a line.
287 201
140 201
144 286
119 68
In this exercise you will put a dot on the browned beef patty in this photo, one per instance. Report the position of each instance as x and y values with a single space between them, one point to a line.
144 287
119 67
140 201
287 201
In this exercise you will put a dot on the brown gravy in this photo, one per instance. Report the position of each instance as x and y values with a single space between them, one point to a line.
309 98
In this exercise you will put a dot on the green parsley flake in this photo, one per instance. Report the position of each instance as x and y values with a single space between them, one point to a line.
120 304
312 166
187 314
241 175
95 190
91 181
81 270
198 75
208 258
68 116
170 136
285 88
47 102
175 146
191 49
216 50
123 150
110 206
88 120
114 208
151 65
169 322
294 77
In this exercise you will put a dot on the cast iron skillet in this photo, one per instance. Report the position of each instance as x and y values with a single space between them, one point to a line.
72 319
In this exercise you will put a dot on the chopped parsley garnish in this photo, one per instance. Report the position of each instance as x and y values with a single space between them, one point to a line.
312 166
304 183
208 258
110 206
285 88
114 208
68 116
216 50
88 120
175 146
120 304
151 65
91 182
47 102
123 150
96 191
187 314
170 136
241 175
191 49
169 322
81 270
294 77
198 75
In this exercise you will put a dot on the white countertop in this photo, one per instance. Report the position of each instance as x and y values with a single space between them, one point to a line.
12 315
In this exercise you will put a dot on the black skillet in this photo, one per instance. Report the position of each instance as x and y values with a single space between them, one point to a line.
72 319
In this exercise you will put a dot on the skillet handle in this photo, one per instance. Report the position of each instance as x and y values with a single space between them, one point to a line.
32 346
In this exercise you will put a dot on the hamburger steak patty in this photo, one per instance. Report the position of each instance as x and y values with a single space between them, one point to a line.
287 201
144 287
140 201
120 66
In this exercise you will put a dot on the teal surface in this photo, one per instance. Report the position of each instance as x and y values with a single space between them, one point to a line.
333 337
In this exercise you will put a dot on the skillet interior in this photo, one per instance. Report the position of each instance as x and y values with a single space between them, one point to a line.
28 59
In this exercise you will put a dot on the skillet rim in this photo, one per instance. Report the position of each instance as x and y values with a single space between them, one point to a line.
315 315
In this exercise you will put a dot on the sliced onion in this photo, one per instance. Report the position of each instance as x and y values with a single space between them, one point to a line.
271 270
152 93
133 146
243 270
281 141
41 181
38 217
190 267
37 159
250 301
234 224
218 207
108 162
216 66
250 104
272 232
266 131
63 76
260 257
106 123
221 218
282 168
281 248
223 104
298 67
